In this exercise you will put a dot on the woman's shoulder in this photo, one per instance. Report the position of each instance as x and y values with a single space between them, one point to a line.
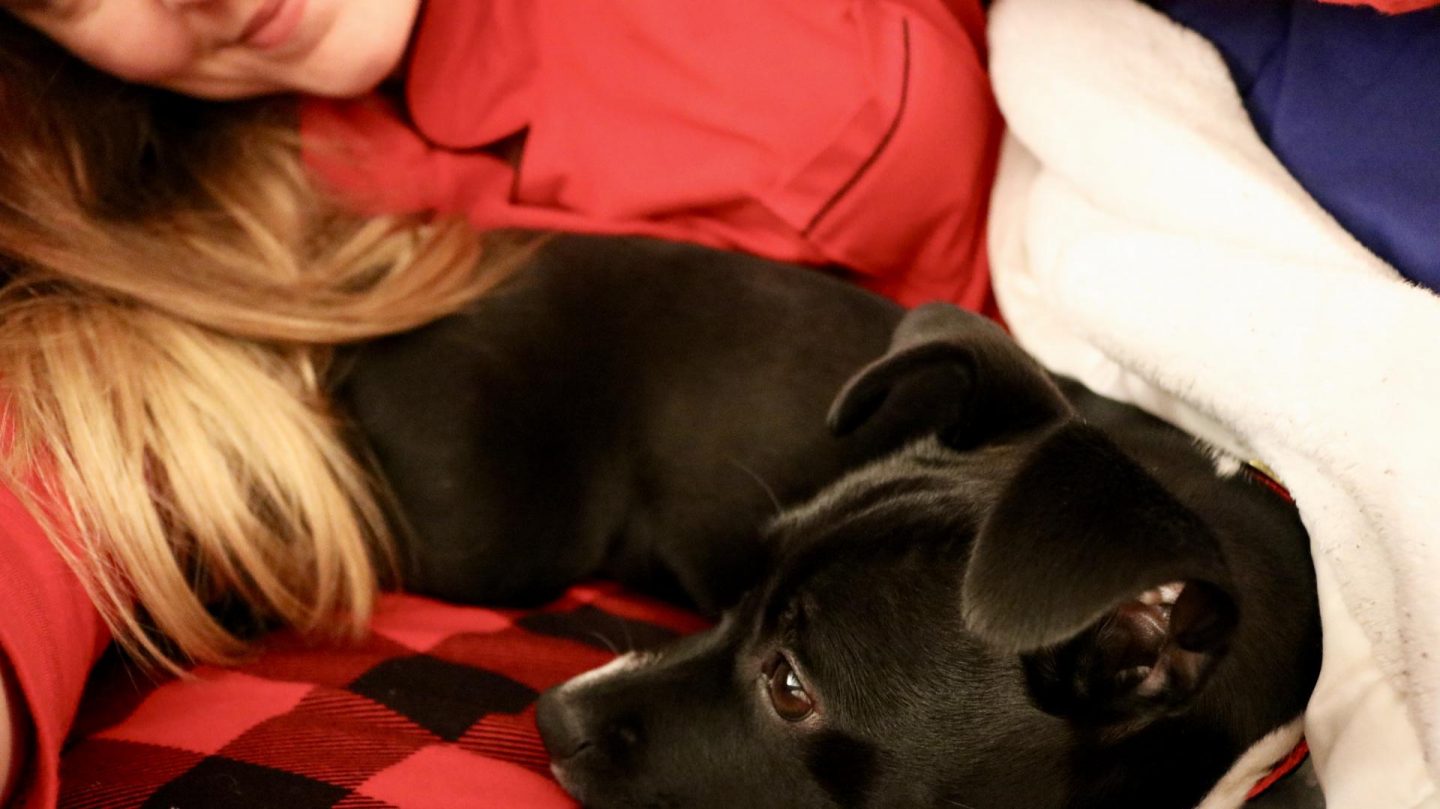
857 133
50 636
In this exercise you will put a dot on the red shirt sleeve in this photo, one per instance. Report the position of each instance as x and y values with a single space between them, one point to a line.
1388 6
853 133
51 634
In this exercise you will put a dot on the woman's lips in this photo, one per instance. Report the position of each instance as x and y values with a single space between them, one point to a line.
273 23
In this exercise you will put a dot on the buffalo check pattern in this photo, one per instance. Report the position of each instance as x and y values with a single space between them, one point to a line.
435 708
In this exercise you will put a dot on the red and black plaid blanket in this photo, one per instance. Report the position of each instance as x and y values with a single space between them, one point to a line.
434 709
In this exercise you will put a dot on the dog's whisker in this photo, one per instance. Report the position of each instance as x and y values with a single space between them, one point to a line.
625 631
759 481
609 644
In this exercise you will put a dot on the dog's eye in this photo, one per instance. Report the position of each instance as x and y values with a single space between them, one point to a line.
787 693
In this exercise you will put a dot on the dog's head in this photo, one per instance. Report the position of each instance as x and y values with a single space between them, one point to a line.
1014 612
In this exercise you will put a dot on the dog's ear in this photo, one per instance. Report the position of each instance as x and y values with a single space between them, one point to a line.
1116 595
966 378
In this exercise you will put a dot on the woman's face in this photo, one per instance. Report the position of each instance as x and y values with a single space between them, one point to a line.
232 48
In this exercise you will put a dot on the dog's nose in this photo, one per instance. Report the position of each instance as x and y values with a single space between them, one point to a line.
562 728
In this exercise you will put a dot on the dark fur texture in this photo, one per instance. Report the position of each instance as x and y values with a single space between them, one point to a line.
999 589
622 407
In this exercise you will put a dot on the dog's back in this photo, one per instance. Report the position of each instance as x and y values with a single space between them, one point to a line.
621 407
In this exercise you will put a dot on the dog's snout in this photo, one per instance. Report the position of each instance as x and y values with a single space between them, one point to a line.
569 724
562 726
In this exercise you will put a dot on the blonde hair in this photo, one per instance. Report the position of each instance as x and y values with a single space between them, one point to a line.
170 284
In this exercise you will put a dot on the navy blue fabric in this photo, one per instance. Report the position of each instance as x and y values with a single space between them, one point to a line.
1349 100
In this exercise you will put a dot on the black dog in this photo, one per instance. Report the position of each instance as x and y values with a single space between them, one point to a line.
1022 595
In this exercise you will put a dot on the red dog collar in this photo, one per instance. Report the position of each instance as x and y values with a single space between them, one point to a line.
1261 474
1287 765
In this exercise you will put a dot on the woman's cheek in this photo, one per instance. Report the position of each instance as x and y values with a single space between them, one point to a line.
146 57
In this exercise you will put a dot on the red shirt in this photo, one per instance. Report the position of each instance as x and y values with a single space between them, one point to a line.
854 133
50 633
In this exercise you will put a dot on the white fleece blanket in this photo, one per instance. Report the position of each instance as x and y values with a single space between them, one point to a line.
1146 241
